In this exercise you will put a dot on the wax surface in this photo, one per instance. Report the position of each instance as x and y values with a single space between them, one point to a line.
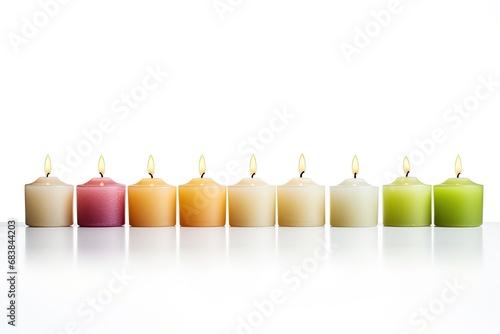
407 202
353 203
100 203
152 202
252 203
202 203
458 202
301 202
48 203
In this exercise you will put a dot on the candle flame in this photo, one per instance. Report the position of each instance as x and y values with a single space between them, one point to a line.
253 165
406 166
302 164
355 166
151 166
100 165
48 165
202 167
458 166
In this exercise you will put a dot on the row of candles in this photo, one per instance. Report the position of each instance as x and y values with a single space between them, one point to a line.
458 202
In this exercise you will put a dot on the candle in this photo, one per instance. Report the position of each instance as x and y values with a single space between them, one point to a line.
202 201
407 201
354 202
151 201
458 202
100 201
301 202
48 201
252 201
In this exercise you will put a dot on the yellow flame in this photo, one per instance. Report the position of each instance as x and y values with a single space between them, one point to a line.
302 164
253 165
48 165
202 167
100 165
355 165
458 165
406 165
151 165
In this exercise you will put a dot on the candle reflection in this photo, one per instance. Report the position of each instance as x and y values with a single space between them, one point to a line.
152 248
458 248
407 247
101 248
49 248
355 248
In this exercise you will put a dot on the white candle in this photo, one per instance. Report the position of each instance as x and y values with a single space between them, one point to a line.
252 201
354 202
48 201
301 202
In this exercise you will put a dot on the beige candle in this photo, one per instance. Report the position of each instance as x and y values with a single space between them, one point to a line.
151 201
48 201
252 201
202 201
301 202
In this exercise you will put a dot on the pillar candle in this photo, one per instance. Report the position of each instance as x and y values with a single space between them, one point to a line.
252 201
458 202
301 202
202 201
100 201
354 202
151 201
407 201
48 201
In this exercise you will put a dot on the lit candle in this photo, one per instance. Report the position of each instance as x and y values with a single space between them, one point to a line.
354 202
100 201
407 201
48 201
252 201
458 202
151 201
202 201
301 202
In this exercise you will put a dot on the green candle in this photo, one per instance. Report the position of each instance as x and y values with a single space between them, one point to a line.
406 201
458 202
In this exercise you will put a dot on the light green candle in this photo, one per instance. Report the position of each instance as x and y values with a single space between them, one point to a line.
458 202
407 201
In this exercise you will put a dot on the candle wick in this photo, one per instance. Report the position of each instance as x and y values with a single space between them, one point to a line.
202 175
355 175
151 175
47 175
408 172
301 173
458 175
101 174
253 175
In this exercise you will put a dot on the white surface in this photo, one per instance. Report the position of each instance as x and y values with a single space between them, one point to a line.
269 75
191 280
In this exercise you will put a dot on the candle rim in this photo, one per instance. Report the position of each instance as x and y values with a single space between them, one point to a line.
42 182
462 182
110 182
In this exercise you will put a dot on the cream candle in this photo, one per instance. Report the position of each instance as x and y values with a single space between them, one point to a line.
301 202
354 202
252 201
151 201
407 201
48 201
202 201
458 202
100 201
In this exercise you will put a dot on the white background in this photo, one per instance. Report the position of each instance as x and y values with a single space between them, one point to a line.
229 73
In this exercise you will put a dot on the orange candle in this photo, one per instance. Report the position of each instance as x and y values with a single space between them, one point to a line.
151 201
202 201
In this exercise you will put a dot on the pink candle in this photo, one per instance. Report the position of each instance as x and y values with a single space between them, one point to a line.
100 201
